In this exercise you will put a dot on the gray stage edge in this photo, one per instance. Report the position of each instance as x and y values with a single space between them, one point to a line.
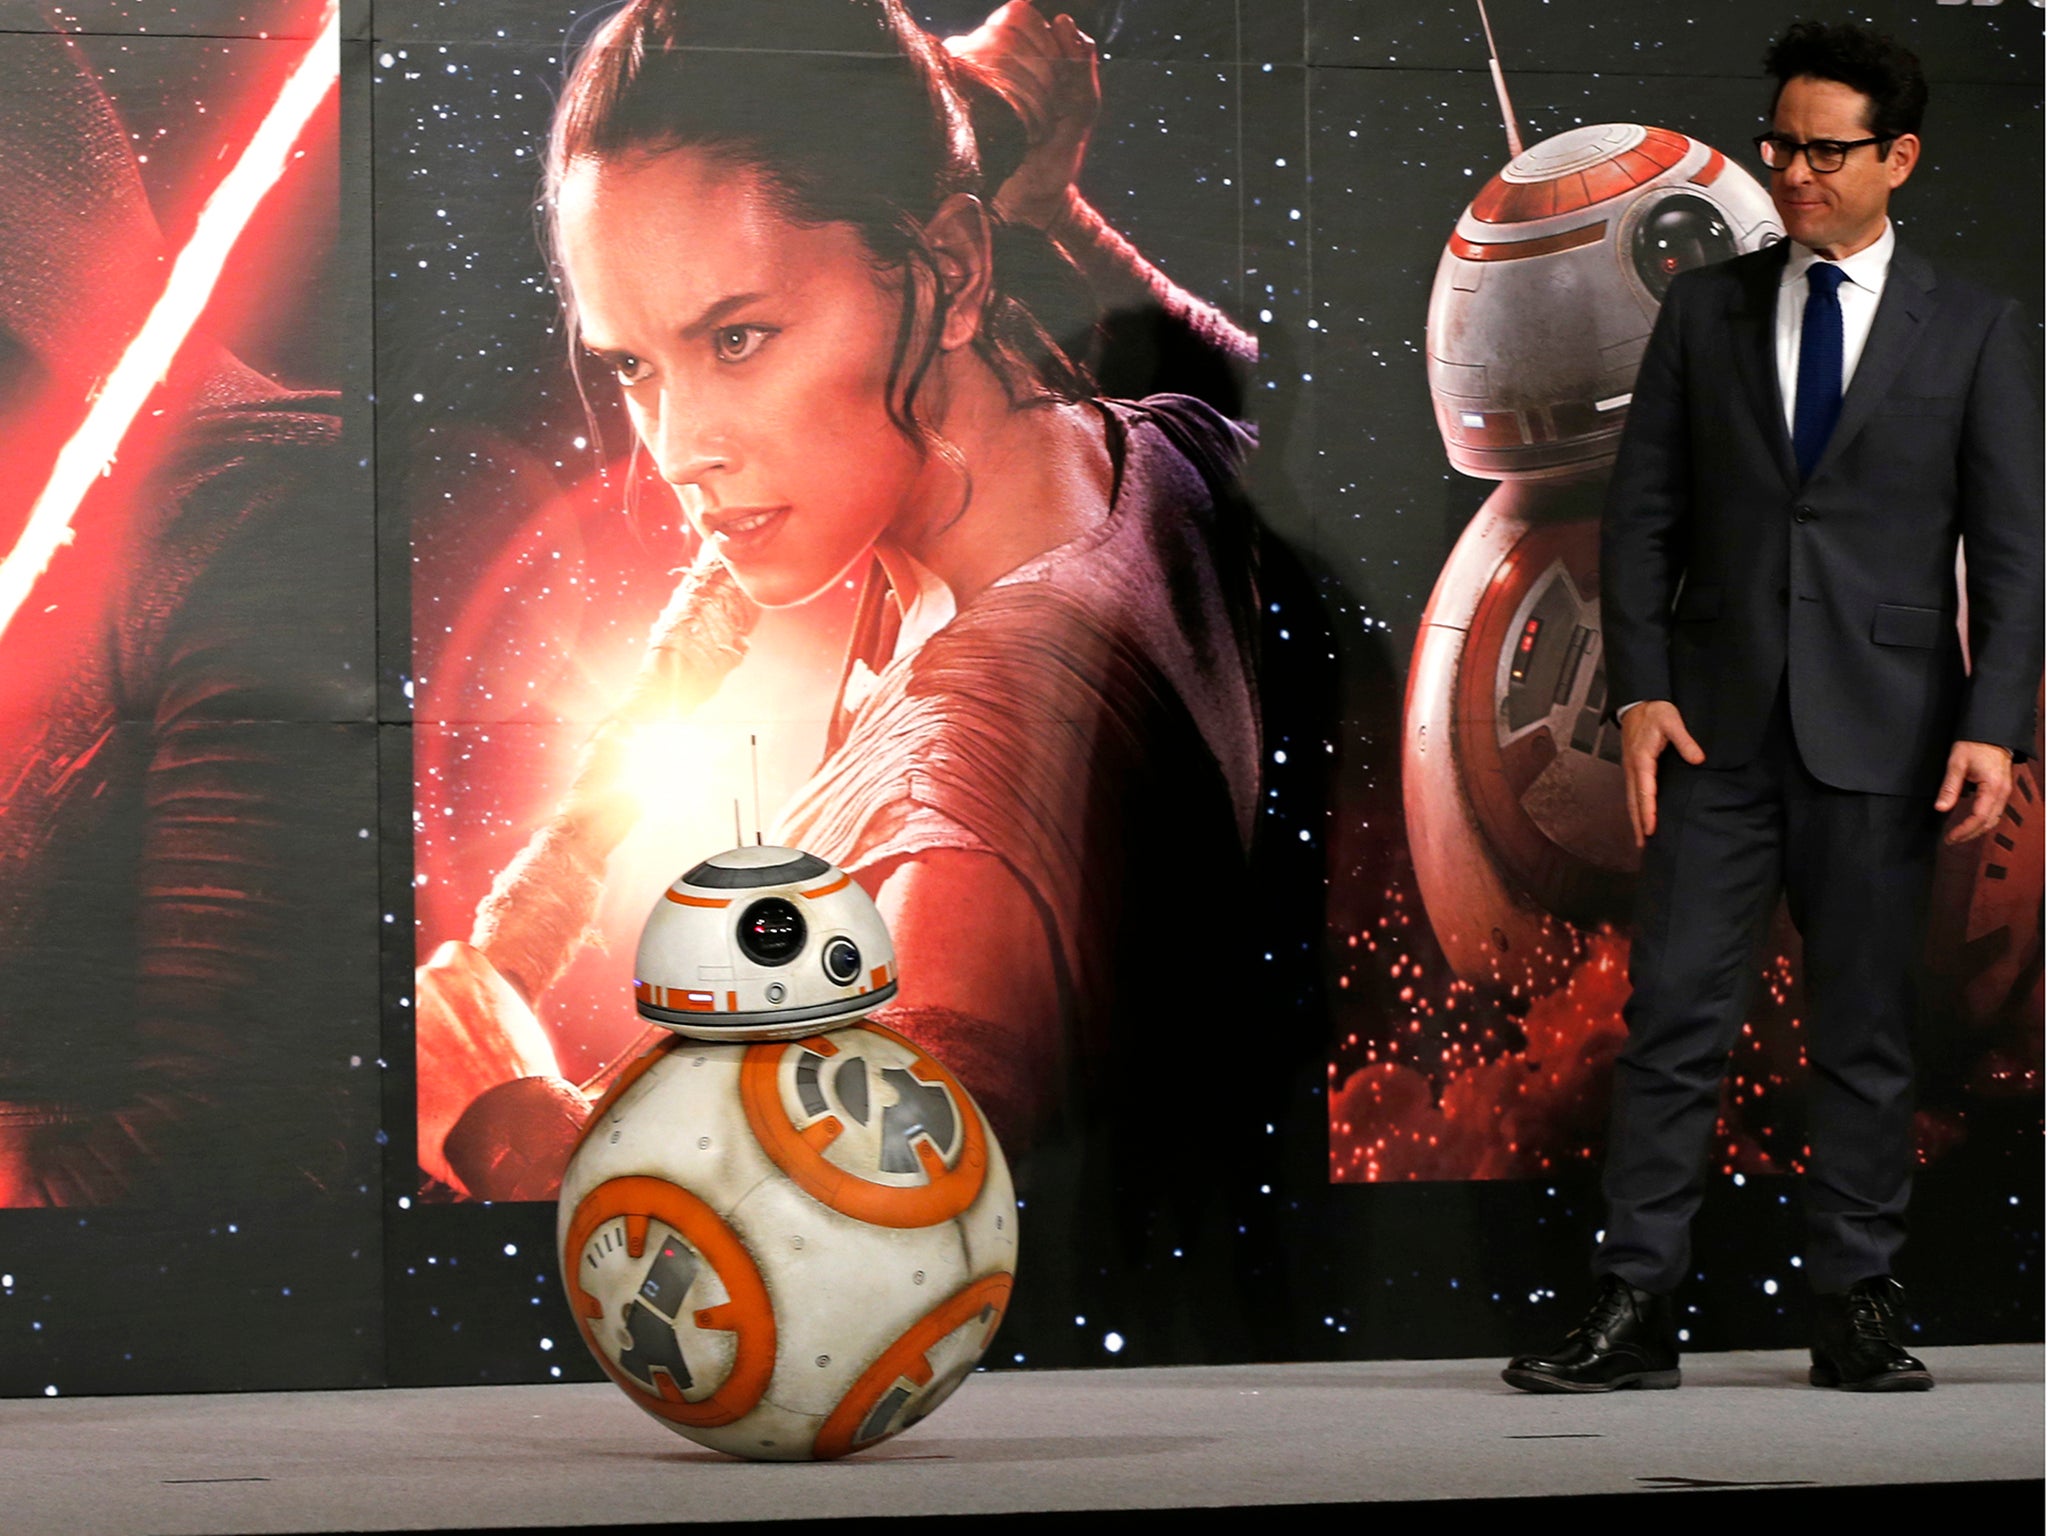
1026 1441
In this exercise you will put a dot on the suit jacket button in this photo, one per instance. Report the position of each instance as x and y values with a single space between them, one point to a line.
1802 514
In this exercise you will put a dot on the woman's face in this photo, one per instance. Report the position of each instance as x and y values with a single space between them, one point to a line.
754 357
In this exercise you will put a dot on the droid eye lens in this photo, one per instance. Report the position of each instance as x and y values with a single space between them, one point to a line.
1681 232
771 931
842 961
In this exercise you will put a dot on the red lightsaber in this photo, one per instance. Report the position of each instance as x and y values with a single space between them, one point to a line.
92 449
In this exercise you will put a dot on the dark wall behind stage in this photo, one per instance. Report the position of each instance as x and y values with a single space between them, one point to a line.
368 569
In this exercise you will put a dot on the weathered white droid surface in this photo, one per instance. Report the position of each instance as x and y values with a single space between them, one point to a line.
793 1244
762 944
1547 289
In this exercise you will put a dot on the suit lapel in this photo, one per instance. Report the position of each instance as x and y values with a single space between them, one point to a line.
1907 299
1755 339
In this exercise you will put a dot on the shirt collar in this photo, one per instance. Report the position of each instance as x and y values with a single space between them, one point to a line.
1866 269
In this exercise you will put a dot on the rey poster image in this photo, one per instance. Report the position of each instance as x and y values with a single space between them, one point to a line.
850 524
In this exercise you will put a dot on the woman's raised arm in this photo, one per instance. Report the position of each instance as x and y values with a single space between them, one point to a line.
1046 72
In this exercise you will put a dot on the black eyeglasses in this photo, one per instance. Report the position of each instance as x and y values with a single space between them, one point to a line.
1824 155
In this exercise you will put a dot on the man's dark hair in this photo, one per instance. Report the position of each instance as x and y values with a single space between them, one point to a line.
1869 62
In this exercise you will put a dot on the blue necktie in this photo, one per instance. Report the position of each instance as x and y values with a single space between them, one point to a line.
1818 400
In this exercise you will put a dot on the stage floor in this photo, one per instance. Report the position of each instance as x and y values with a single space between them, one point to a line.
1329 1434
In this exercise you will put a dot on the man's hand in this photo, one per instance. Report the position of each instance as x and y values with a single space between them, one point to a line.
1988 767
1646 730
1047 72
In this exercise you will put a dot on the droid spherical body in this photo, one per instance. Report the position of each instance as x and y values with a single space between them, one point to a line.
1547 290
762 944
785 1232
1510 776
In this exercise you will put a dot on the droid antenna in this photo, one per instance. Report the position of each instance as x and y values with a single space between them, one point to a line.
754 747
739 837
1500 84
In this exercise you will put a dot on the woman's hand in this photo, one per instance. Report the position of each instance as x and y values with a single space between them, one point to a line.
473 1032
1047 71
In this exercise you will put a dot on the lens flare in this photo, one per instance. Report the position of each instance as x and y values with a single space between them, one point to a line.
667 763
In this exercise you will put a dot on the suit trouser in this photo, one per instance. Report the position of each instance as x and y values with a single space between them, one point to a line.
1855 870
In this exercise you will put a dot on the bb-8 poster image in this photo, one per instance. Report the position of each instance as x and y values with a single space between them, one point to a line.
785 1233
1507 935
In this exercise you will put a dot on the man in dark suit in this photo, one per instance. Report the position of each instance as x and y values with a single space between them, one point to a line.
1814 428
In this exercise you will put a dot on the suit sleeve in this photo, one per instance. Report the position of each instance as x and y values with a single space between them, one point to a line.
1999 493
1642 530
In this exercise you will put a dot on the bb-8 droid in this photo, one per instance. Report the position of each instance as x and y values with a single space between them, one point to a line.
1543 303
786 1233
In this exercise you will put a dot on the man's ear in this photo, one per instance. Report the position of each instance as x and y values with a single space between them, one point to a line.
959 237
1904 156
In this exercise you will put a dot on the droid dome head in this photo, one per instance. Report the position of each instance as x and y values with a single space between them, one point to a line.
762 944
1546 293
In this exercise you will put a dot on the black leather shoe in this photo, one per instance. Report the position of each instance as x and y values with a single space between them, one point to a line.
1628 1339
1859 1340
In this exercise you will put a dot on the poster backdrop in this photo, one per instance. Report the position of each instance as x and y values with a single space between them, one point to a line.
189 1030
1250 829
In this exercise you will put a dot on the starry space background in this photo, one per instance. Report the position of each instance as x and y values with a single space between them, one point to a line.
1299 162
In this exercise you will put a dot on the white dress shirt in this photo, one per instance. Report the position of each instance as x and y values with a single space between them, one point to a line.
1862 286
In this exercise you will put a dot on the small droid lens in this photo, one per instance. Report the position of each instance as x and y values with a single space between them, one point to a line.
771 931
842 961
1677 234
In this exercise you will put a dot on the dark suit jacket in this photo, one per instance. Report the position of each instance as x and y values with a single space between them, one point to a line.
1721 573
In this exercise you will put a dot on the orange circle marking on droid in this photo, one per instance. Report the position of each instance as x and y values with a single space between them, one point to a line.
905 1361
1502 201
682 900
801 1153
747 1311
